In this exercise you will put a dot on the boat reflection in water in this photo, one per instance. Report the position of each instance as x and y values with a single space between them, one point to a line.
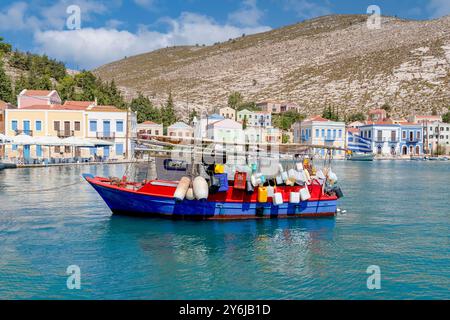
214 253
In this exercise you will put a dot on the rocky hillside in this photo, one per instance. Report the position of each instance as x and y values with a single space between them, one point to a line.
333 60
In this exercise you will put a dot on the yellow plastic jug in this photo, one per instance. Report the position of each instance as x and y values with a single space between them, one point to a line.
262 194
219 169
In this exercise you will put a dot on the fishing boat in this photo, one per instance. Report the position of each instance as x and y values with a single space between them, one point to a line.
158 197
356 156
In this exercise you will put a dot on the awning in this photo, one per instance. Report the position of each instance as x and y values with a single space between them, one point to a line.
77 142
100 143
23 139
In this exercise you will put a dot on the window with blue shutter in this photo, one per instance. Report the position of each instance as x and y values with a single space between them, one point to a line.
14 125
119 149
38 125
119 126
93 125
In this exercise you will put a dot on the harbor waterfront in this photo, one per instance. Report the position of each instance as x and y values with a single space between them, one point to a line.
396 217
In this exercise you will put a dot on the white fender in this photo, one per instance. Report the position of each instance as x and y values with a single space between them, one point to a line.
183 186
190 194
200 187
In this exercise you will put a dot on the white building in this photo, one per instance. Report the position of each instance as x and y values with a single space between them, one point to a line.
149 128
180 130
437 134
255 118
111 124
227 130
200 125
228 113
384 137
322 132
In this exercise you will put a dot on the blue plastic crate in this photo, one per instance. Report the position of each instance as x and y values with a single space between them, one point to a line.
223 177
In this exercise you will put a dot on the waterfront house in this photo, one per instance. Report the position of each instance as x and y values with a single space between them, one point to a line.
436 137
27 98
41 121
255 118
226 130
228 113
111 124
74 119
411 142
384 137
149 128
201 124
180 130
323 132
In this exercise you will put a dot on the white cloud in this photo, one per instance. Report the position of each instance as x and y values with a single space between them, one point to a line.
439 8
18 16
14 18
306 9
91 47
55 16
248 15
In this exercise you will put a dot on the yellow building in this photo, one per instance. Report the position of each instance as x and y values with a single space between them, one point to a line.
105 124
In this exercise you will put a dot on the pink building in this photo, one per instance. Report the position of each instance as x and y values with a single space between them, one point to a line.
377 115
29 98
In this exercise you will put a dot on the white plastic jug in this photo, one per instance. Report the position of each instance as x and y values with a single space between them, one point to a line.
270 191
277 199
294 197
279 179
332 176
320 175
304 194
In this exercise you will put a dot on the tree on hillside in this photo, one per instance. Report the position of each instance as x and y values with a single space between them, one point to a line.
235 99
145 109
6 91
446 116
285 120
66 88
168 112
4 47
330 114
359 116
244 123
193 114
21 84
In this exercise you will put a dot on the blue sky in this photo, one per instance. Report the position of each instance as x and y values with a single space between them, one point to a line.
112 29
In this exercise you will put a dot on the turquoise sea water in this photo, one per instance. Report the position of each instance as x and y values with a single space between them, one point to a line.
398 218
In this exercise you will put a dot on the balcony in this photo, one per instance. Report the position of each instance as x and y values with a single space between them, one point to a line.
65 133
28 132
106 135
330 139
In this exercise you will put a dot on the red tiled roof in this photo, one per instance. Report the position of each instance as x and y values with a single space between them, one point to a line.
79 103
37 93
105 109
353 130
53 107
149 122
317 118
428 117
377 111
